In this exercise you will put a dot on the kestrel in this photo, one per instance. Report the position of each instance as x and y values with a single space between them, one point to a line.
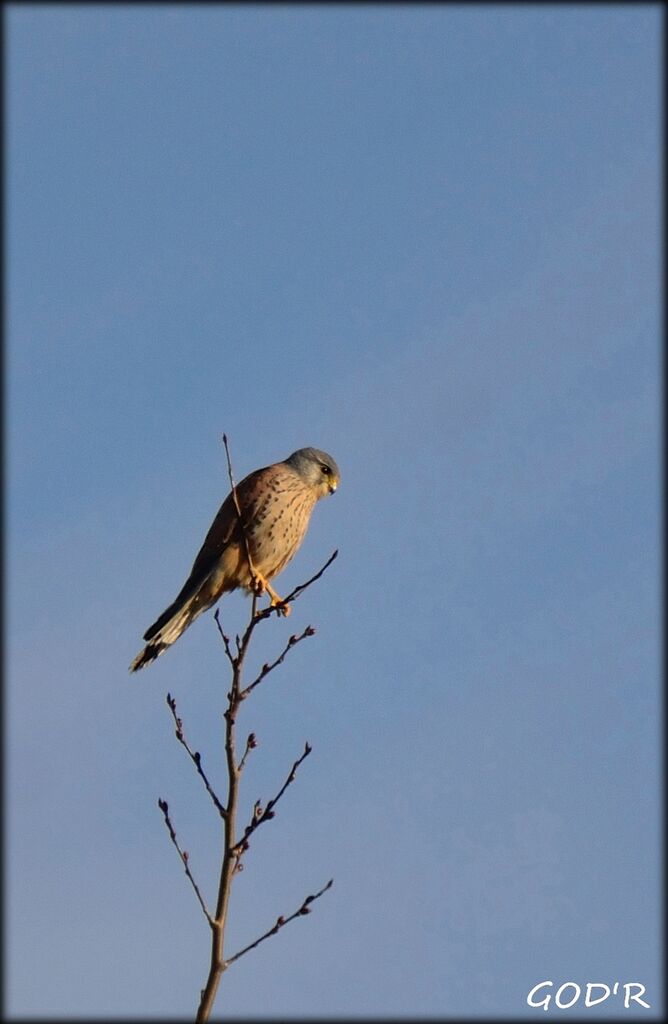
276 504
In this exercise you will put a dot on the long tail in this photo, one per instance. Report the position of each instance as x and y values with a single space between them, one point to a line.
168 628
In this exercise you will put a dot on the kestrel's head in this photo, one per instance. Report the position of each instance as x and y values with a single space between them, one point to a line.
317 469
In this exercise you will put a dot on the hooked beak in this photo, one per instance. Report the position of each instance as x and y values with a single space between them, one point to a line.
332 487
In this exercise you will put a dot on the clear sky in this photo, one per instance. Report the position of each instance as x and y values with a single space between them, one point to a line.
425 239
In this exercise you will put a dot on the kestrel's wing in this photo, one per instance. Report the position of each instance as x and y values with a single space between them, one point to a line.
253 493
224 530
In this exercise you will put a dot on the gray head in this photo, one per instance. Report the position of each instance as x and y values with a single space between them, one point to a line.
317 468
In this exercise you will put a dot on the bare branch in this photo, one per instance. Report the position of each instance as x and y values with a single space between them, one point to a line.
251 744
260 815
264 613
281 923
225 638
194 756
183 854
302 586
266 669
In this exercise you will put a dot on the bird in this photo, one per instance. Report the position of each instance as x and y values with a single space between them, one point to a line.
275 504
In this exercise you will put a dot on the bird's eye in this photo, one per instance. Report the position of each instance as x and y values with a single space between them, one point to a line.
326 470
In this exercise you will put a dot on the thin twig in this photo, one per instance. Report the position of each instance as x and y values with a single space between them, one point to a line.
259 815
225 638
281 923
267 668
195 756
183 854
293 595
264 613
251 744
302 586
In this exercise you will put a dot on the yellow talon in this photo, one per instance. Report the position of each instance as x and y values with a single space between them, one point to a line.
277 601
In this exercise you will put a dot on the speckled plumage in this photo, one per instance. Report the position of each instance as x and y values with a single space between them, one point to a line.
276 504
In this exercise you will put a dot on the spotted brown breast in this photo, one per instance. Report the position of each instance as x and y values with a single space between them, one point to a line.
276 515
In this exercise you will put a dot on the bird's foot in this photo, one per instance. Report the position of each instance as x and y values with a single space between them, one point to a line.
277 602
258 584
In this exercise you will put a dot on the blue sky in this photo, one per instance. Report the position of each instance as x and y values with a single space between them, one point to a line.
425 239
